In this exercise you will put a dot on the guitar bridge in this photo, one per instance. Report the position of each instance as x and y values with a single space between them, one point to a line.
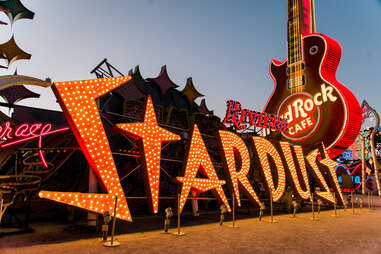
296 82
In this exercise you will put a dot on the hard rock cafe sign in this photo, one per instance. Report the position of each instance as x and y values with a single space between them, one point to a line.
303 112
280 163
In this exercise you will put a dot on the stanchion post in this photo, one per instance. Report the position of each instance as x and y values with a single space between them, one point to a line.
113 243
312 204
352 201
233 209
334 204
1 206
368 200
271 205
178 214
113 222
179 233
233 204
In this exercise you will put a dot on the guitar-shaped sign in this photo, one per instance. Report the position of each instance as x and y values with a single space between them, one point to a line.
318 108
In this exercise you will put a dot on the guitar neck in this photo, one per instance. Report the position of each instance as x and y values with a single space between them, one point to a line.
294 37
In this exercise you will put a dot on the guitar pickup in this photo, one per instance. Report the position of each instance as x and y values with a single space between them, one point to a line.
291 68
296 82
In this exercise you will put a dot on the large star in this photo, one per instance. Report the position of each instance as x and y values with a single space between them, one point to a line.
151 136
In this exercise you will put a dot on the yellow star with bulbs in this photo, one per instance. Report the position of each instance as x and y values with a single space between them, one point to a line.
151 136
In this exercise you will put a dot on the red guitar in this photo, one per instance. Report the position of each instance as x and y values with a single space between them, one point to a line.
317 106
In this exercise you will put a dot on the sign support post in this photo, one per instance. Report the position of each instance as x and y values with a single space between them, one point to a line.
233 219
334 205
179 233
113 243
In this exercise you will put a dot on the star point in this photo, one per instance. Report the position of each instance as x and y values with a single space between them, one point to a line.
151 136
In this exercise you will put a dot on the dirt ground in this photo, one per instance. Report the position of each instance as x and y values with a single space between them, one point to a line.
346 233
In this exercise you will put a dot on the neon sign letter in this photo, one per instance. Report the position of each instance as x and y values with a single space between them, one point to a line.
294 174
264 148
312 160
198 160
25 132
77 100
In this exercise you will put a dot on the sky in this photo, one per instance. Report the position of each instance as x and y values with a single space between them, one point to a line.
224 45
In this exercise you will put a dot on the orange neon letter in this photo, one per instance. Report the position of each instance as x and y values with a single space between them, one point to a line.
264 148
77 100
198 160
312 160
291 166
327 161
231 144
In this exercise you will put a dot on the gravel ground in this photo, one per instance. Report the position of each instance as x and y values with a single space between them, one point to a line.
346 233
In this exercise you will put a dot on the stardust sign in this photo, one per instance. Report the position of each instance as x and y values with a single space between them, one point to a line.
278 162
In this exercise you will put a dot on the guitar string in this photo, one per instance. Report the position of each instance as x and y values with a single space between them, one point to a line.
293 41
288 41
295 78
295 17
299 54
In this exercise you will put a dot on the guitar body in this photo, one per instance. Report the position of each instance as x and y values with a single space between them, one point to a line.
322 109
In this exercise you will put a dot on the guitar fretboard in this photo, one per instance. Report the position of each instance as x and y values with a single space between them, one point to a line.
294 35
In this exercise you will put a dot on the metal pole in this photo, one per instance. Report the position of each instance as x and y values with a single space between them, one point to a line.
271 205
372 136
334 204
352 199
112 243
233 210
362 164
178 214
179 233
368 200
1 206
313 210
233 219
113 221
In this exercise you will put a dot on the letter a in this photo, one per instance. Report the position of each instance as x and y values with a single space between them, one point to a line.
198 160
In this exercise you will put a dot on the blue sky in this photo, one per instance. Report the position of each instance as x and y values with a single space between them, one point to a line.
225 45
